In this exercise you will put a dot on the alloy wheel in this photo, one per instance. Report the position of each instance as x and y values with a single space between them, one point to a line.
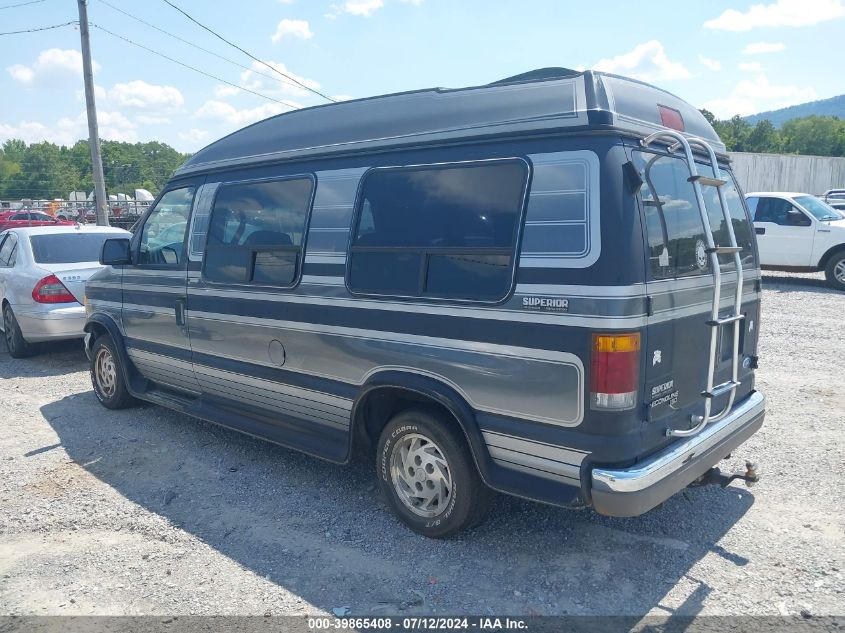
420 475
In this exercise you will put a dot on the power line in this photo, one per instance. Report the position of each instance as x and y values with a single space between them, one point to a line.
20 4
248 54
43 28
198 47
197 70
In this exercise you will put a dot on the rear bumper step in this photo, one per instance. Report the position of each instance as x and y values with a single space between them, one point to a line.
639 488
720 390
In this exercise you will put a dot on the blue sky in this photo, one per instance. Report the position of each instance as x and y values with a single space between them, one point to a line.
731 57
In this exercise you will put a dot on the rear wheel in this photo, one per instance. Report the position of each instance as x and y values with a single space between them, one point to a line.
15 342
427 474
107 375
835 270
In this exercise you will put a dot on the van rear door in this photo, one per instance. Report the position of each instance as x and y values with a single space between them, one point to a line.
681 290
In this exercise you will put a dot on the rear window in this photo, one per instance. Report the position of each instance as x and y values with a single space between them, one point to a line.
68 248
675 233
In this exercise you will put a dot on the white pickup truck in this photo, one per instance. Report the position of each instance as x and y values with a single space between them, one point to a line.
799 232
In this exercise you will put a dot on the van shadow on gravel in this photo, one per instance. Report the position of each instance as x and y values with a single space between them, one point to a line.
319 530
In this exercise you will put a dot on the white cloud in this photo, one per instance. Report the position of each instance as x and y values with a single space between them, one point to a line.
142 95
779 13
226 112
195 136
758 48
712 64
113 126
263 80
647 62
21 73
355 7
342 97
52 61
153 119
750 96
292 28
750 67
416 3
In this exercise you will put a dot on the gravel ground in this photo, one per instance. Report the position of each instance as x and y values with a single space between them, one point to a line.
146 511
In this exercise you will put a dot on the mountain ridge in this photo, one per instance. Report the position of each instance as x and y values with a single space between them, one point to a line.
834 106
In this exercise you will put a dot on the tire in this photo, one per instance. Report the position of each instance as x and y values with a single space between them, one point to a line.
453 497
835 270
15 342
107 375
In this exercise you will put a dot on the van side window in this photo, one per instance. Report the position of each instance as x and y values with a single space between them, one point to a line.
256 232
444 231
676 239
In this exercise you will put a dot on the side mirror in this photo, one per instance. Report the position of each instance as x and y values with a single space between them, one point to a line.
795 218
116 252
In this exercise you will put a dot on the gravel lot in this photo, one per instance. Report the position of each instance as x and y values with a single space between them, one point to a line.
146 511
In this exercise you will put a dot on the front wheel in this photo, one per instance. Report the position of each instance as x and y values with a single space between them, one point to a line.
427 474
107 375
15 342
835 271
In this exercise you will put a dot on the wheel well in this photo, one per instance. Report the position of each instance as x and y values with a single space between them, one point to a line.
378 406
97 329
830 253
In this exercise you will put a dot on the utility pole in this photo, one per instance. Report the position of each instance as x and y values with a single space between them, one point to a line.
100 200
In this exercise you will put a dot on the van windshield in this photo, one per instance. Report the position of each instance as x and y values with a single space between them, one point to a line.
676 239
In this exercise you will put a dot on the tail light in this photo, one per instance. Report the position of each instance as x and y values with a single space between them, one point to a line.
615 371
51 290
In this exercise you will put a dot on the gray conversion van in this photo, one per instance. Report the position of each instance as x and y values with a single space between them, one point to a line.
547 286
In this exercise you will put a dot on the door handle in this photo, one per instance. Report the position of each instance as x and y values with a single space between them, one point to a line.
759 230
180 312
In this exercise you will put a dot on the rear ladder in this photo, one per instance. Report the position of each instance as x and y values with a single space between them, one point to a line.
678 140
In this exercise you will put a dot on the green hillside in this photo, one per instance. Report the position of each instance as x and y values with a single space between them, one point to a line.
835 106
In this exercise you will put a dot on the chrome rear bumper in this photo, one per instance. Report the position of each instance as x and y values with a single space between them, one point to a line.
637 489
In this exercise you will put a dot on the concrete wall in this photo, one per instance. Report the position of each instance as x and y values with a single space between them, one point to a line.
788 172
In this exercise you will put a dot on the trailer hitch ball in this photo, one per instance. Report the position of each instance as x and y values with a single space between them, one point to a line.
751 476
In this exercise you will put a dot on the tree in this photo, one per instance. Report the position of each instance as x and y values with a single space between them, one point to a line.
764 138
814 135
45 170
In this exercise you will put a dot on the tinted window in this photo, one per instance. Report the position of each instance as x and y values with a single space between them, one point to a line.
41 217
256 232
675 233
68 248
164 229
443 231
779 211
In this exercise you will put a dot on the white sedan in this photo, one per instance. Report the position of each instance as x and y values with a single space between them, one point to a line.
42 282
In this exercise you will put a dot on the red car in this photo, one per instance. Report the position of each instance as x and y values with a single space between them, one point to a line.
16 219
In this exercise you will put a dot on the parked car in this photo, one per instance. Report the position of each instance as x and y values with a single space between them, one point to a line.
799 232
16 219
547 286
835 198
42 282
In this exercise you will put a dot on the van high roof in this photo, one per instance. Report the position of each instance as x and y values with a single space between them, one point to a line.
542 102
